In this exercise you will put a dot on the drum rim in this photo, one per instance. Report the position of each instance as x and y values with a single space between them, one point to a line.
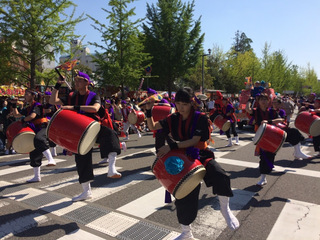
229 125
135 114
154 163
51 120
199 167
83 136
311 126
264 125
32 133
219 115
12 125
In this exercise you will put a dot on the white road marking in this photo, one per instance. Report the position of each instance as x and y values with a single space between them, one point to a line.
21 224
297 220
146 205
80 235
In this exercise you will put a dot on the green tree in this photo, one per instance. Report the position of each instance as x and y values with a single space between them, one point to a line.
238 68
173 39
123 59
241 43
193 78
36 30
310 81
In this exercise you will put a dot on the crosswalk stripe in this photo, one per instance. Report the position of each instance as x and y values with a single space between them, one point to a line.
21 224
297 220
145 205
80 235
123 183
14 161
297 171
17 169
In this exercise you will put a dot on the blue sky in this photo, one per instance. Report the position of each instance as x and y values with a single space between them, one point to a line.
290 26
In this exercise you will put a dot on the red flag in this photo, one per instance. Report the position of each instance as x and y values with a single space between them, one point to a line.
69 65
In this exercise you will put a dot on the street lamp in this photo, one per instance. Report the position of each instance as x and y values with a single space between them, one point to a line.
209 50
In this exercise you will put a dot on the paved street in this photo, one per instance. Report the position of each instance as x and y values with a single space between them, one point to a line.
133 207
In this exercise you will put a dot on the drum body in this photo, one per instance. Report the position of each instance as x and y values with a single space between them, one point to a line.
183 181
21 137
269 138
161 111
136 117
308 123
222 123
73 131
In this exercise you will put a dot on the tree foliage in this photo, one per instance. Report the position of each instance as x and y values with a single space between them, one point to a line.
34 30
123 58
173 39
241 43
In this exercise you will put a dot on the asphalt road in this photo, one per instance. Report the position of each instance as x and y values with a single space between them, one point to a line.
133 207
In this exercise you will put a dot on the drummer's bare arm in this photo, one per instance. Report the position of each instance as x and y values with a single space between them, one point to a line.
30 117
274 121
89 109
54 98
184 144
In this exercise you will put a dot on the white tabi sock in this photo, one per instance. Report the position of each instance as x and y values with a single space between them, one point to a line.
298 153
231 220
37 177
186 233
86 194
230 142
48 155
112 172
54 151
263 180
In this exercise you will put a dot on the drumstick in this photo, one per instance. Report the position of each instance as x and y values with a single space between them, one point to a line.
62 78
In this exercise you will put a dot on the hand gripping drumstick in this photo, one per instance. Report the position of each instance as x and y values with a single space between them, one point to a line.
62 78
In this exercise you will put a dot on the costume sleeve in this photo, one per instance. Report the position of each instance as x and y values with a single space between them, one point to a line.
202 128
37 110
164 124
95 99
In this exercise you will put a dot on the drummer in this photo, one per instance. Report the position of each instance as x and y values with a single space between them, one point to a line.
179 125
217 110
263 114
49 110
125 110
33 115
88 103
228 113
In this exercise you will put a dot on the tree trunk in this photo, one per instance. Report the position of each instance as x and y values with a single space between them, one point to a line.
32 72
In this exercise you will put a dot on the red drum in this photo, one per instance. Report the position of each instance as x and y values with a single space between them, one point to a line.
269 138
21 137
222 123
178 173
161 111
73 131
308 123
136 117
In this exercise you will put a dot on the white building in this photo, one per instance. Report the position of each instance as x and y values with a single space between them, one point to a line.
82 54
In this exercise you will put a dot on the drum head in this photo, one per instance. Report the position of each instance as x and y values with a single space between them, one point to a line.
132 118
315 128
23 142
88 138
259 133
226 126
189 182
